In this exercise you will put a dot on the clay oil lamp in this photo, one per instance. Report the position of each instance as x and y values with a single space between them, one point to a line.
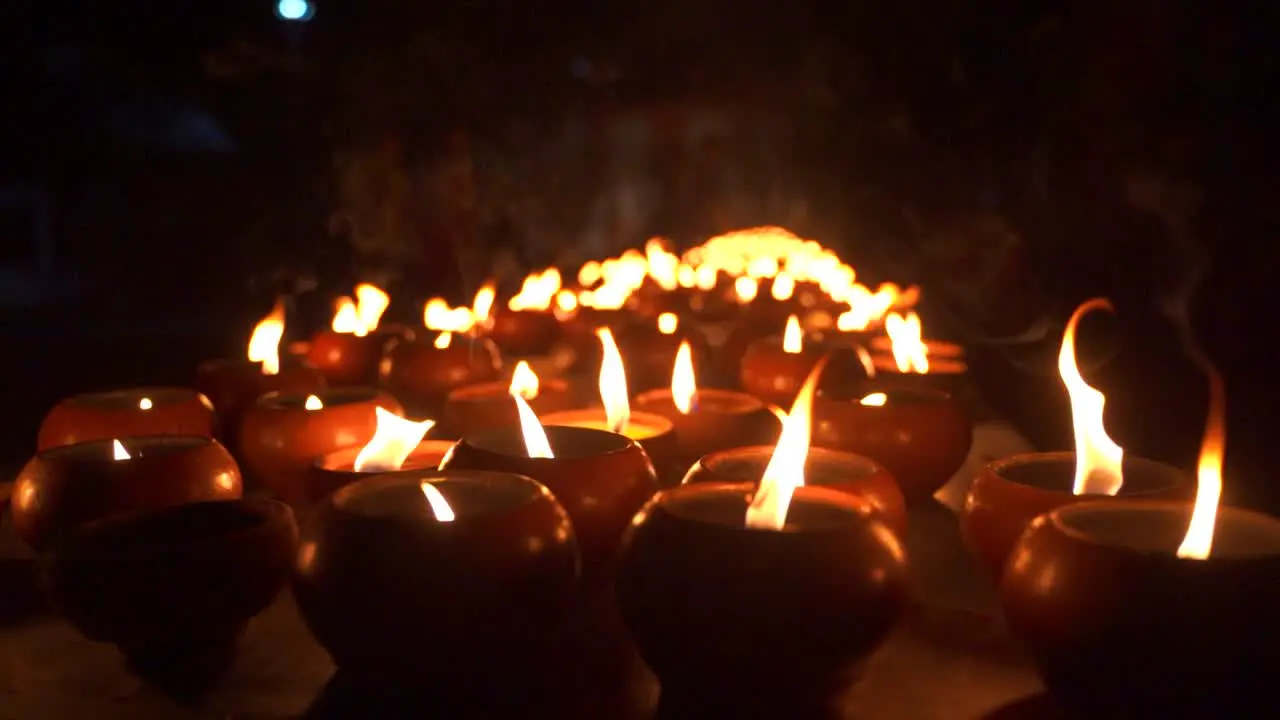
600 477
65 487
483 406
233 386
349 352
174 588
527 325
283 435
443 582
773 371
1143 608
397 445
706 419
783 588
655 433
136 411
421 373
1009 493
650 350
913 360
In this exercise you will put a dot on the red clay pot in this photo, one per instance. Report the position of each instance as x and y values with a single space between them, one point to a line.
105 415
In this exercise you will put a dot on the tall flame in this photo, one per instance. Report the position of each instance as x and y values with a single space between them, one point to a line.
118 452
394 439
613 383
346 319
1198 541
910 353
668 322
785 472
1099 459
371 302
264 344
684 387
483 303
524 381
535 437
439 506
791 337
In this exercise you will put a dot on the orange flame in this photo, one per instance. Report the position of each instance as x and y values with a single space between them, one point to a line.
792 342
145 404
118 452
371 302
668 323
482 306
875 399
394 439
613 383
443 340
264 344
785 472
524 381
684 388
439 506
909 350
346 319
438 316
783 286
313 403
537 291
1198 542
535 437
662 265
746 288
1098 458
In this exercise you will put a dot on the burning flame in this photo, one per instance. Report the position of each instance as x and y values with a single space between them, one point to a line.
264 344
442 340
313 403
346 319
535 438
668 322
566 302
483 304
864 357
613 383
524 381
537 291
746 288
438 316
909 351
791 337
145 404
684 388
1098 457
785 472
783 286
393 441
118 452
1198 541
439 506
875 399
371 302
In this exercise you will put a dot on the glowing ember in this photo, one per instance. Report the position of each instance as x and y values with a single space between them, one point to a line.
439 506
394 439
791 337
535 437
313 403
1098 458
1198 542
524 381
118 452
684 388
613 383
785 472
264 344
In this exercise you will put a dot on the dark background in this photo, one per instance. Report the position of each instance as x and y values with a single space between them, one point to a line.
167 168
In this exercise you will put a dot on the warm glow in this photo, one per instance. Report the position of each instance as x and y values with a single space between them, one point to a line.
705 277
371 302
746 288
393 441
118 452
438 316
909 350
313 403
613 383
864 357
662 265
439 506
791 337
524 381
483 304
785 472
589 274
345 318
875 399
1198 541
783 287
443 340
668 322
264 344
566 301
1098 457
685 276
684 388
145 404
535 437
537 292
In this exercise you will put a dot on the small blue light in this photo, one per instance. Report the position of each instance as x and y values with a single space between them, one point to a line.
295 10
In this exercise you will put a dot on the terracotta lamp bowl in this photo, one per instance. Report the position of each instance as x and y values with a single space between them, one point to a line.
1008 494
336 469
852 474
174 588
401 599
650 355
105 415
1122 627
774 375
485 406
524 332
346 358
715 607
920 435
233 386
65 487
280 439
600 478
720 419
421 375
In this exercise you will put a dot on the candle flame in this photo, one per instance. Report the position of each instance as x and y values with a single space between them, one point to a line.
482 305
566 302
783 286
668 322
910 353
346 319
684 387
792 342
537 291
524 381
589 274
1099 460
875 399
438 316
264 344
118 452
864 357
371 303
535 437
785 472
443 340
145 404
439 506
613 383
394 439
1198 542
313 403
746 288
